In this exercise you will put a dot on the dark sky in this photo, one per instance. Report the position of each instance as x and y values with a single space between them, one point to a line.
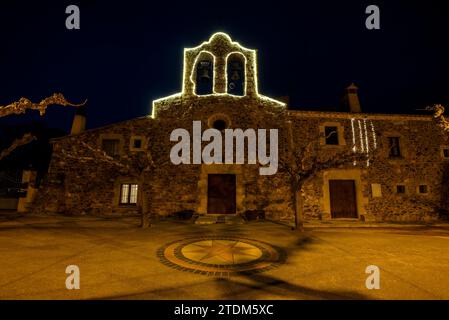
130 52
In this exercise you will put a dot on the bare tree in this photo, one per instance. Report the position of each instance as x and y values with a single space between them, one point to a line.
134 167
443 123
306 162
20 107
439 117
27 138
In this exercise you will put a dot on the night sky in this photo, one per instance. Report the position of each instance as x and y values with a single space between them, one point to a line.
129 53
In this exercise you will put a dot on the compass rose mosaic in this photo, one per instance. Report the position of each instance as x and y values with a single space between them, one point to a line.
221 256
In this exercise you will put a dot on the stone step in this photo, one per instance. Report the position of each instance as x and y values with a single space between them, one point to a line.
212 219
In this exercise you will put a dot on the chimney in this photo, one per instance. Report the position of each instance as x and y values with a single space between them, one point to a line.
79 121
351 101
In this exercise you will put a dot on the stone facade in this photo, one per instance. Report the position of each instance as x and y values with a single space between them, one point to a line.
83 180
421 164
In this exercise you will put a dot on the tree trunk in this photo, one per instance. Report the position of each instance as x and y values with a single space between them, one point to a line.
298 206
145 222
299 211
145 219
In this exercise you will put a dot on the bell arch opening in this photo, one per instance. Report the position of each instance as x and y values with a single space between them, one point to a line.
236 74
204 74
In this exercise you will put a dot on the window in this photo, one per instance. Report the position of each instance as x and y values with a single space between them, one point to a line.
137 143
331 135
110 147
128 193
376 190
445 153
60 178
393 144
220 124
219 121
400 189
423 189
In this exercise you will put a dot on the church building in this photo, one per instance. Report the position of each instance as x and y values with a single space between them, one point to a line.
125 168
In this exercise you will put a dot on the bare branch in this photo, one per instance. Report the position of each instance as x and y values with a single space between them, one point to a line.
27 138
19 107
438 110
307 162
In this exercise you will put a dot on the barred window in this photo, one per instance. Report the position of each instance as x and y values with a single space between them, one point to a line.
128 193
423 189
137 143
400 189
110 147
395 150
446 153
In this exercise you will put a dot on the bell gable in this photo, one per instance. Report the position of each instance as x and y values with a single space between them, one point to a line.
218 68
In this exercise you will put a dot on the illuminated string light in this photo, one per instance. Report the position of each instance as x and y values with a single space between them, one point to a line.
367 142
361 136
202 53
374 135
245 52
354 147
256 84
366 136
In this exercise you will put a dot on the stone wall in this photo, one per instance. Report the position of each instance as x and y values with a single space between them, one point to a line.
86 184
81 180
421 163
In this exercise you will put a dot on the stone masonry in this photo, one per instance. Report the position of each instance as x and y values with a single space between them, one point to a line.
82 179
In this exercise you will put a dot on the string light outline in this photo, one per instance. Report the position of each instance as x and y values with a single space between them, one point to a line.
361 136
354 146
194 66
374 135
367 142
255 76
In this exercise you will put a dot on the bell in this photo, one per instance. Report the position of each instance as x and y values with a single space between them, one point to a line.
235 75
235 70
204 74
204 67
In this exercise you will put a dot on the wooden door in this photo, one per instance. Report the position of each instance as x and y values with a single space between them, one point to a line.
221 194
343 199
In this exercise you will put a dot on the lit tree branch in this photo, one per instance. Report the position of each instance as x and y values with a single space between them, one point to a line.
27 138
133 166
142 162
306 162
438 110
19 107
